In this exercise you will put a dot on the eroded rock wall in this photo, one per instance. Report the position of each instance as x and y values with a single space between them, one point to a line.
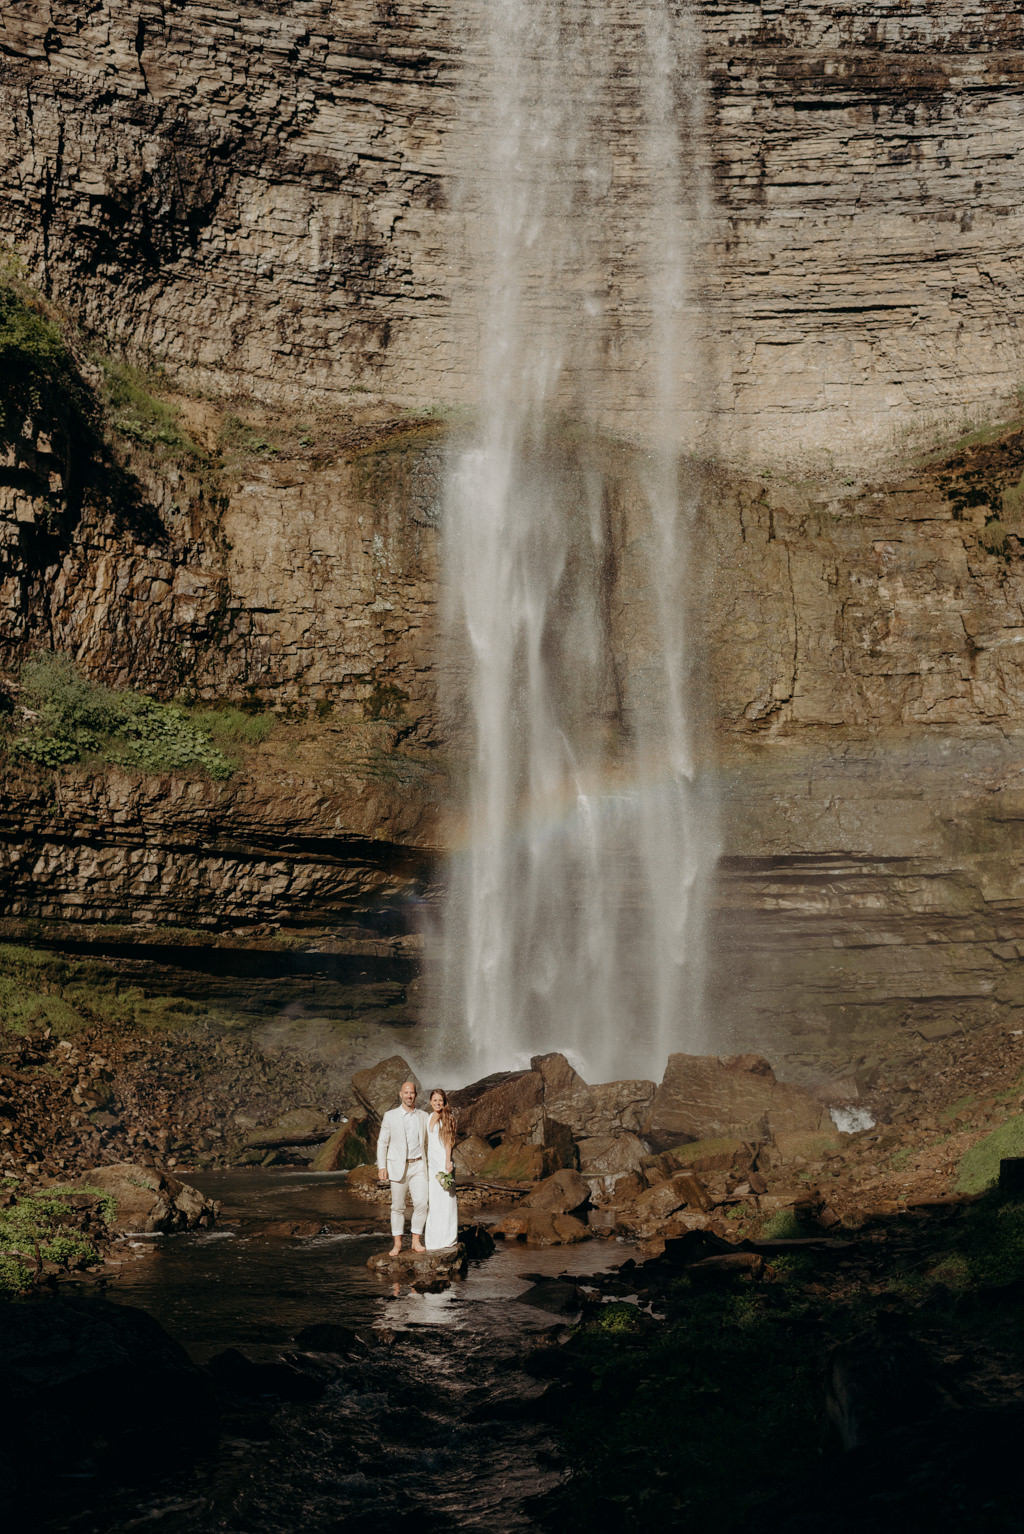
263 195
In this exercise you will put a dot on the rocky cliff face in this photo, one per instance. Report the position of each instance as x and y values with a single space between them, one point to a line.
263 194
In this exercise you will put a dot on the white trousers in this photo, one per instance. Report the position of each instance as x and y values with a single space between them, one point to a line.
413 1185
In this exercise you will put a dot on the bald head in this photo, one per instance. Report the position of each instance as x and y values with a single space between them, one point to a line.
408 1095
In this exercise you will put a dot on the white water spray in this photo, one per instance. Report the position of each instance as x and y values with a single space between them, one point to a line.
574 914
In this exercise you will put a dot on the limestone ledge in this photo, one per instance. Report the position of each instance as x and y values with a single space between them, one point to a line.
120 847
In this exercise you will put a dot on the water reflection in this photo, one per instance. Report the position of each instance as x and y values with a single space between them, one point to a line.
433 1424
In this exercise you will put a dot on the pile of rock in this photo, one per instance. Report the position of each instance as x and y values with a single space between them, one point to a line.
627 1157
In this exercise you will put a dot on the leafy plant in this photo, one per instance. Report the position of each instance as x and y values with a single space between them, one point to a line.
75 718
45 1224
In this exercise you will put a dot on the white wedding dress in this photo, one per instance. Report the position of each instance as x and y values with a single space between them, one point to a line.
442 1208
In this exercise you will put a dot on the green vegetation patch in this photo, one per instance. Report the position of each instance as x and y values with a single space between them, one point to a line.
43 1226
76 719
40 989
135 411
979 1167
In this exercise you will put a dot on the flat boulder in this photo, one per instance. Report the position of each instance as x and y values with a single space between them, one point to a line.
561 1193
148 1199
447 1262
721 1154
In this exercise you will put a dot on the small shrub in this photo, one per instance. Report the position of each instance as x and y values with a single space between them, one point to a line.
783 1225
45 1222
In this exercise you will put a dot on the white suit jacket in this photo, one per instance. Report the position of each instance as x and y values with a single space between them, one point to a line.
392 1147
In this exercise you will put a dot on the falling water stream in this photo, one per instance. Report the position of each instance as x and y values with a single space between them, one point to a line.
575 906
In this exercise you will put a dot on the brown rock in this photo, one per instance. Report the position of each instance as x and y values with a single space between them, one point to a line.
703 1097
149 1199
561 1193
538 1227
471 1153
348 1147
591 1111
363 1182
721 1154
517 1161
488 1107
377 1087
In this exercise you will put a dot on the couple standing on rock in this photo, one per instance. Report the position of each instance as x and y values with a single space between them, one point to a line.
414 1152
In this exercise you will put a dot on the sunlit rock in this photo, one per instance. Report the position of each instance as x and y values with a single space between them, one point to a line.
150 1200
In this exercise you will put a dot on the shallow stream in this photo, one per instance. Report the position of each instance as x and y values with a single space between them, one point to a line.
432 1425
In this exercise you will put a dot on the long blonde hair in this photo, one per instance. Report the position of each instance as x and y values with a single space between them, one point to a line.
447 1119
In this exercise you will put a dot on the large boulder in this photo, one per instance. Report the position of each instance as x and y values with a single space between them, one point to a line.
591 1111
722 1154
148 1199
471 1153
93 1392
517 1161
378 1086
611 1163
510 1102
349 1146
704 1096
562 1193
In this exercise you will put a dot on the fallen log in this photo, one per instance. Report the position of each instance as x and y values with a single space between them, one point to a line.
280 1141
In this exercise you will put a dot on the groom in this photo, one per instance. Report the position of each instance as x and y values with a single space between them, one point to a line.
402 1160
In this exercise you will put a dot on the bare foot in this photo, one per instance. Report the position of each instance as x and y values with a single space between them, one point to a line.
395 1251
417 1246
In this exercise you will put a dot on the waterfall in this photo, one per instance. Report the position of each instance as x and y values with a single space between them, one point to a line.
574 911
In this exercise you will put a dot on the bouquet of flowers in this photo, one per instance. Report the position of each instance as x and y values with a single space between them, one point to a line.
447 1181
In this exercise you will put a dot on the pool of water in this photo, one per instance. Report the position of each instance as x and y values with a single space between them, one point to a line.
434 1425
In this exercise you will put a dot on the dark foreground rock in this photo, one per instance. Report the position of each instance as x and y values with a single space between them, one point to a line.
97 1391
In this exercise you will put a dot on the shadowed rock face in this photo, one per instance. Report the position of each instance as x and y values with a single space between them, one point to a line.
263 194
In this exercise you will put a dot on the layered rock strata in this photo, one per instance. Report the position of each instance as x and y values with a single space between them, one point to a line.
264 195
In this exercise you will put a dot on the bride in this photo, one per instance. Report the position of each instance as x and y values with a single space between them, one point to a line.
442 1207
